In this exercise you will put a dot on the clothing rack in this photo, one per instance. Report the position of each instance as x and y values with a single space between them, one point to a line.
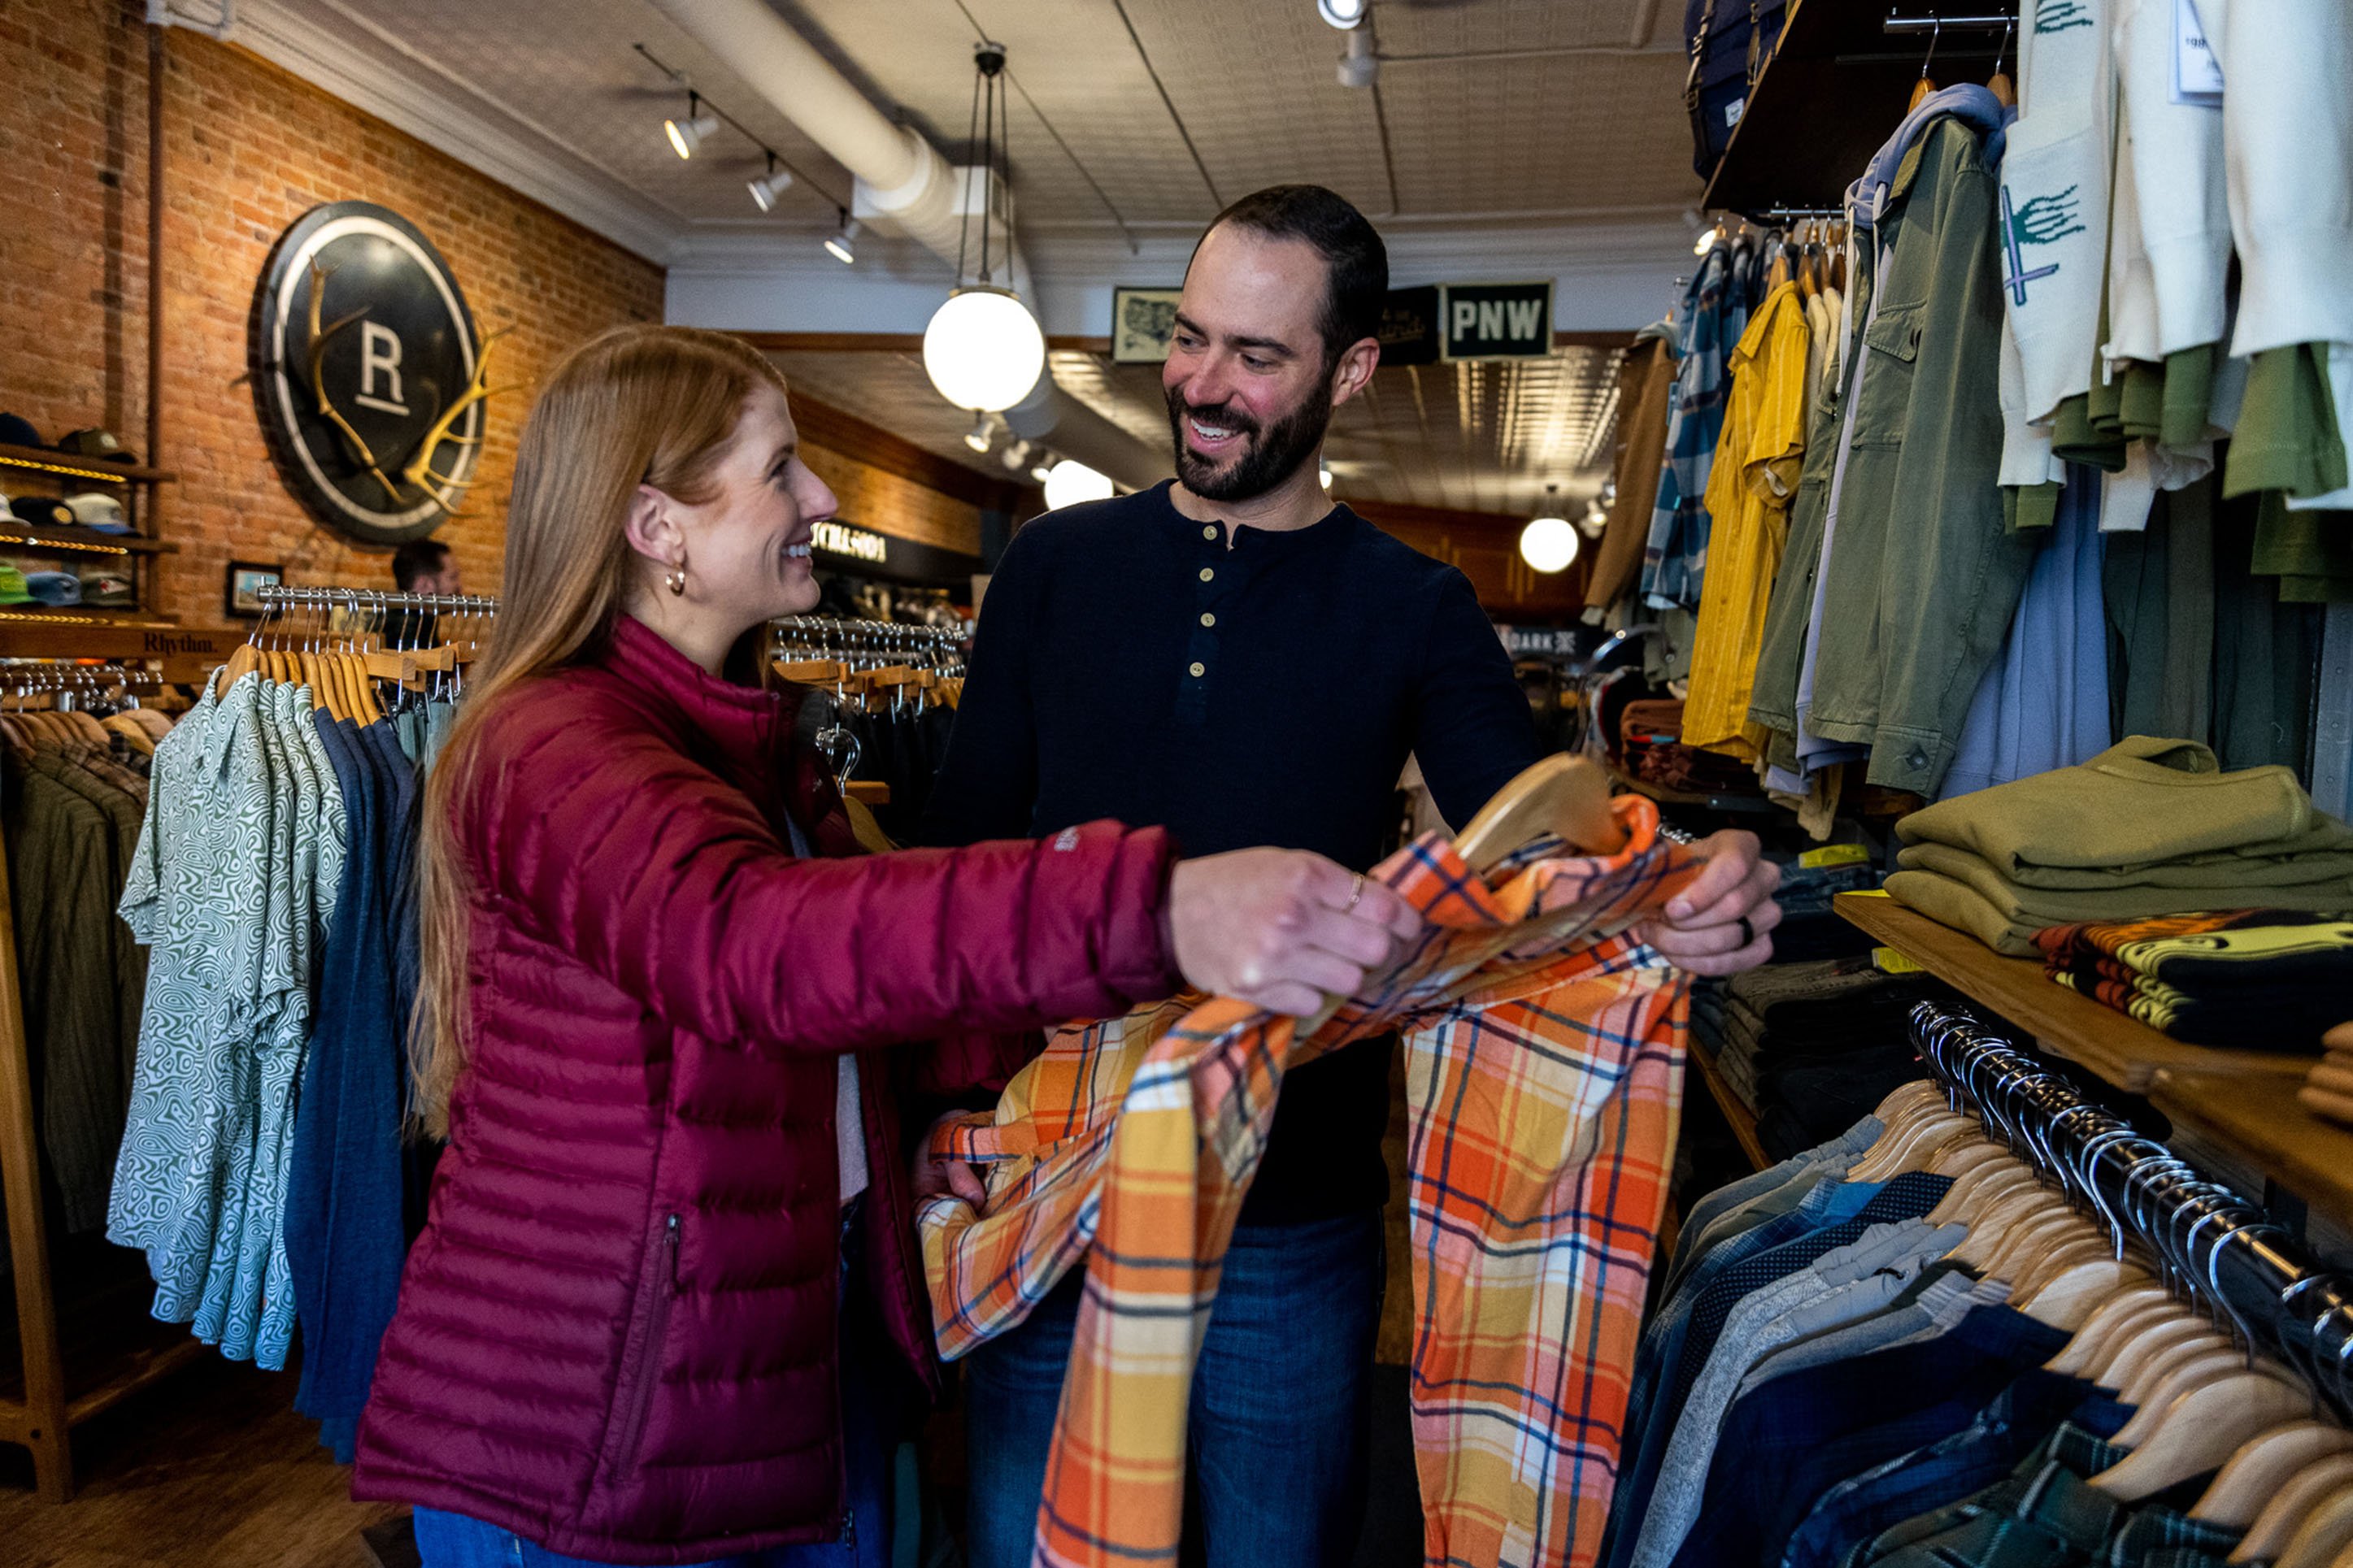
43 1416
861 644
279 596
2204 1236
1935 23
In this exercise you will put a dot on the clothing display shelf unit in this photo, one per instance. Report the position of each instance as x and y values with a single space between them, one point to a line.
54 1398
62 471
2237 1107
1839 80
2201 1235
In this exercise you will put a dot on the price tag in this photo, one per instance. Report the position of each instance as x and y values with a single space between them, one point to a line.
1831 854
1887 961
2197 74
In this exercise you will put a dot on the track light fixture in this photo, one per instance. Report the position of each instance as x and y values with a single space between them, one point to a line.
766 191
840 245
980 436
685 135
1015 457
1342 14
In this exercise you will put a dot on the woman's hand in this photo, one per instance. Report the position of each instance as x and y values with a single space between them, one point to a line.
1720 923
932 1176
1280 927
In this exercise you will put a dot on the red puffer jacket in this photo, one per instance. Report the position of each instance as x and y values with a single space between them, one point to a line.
616 1335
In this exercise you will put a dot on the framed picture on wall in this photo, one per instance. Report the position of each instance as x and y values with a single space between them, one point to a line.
246 581
1141 322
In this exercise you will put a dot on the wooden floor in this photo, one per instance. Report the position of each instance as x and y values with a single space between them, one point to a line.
212 1469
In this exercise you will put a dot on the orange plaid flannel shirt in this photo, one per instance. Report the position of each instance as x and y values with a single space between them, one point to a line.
1543 1072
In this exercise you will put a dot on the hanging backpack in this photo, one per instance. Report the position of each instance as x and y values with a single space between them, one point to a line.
1728 55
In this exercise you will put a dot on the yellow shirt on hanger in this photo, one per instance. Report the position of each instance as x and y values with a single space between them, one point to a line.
1748 493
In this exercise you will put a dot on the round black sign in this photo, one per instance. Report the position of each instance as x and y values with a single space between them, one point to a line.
367 371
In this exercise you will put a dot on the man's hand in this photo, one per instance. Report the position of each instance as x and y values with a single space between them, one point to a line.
932 1177
1280 927
1703 932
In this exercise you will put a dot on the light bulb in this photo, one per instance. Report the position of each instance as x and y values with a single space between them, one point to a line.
1323 475
1549 544
839 245
1340 14
765 191
686 135
984 349
1070 483
979 436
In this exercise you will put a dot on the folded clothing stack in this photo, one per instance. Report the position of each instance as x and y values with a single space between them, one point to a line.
2265 979
2328 1091
1804 1044
2148 827
1651 735
1810 927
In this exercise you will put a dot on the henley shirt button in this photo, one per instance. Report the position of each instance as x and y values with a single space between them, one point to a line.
1207 619
1200 669
1210 531
1208 573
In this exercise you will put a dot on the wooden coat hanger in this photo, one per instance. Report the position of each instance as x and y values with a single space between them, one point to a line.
2133 1341
2113 1316
2068 1301
1924 87
2295 1500
2324 1538
1563 796
2081 1244
2139 1373
2200 1431
2263 1469
2184 1375
1999 84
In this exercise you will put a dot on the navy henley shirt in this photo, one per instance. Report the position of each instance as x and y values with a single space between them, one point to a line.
1129 664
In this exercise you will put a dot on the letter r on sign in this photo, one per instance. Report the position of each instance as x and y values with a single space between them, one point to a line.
380 352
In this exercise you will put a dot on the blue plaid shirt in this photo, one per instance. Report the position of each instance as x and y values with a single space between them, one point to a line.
1713 315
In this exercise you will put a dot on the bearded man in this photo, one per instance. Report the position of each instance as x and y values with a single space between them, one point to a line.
1233 656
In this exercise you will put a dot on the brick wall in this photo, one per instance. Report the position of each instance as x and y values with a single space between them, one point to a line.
247 150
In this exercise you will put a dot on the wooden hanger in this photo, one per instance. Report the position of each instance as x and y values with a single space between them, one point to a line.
1972 1194
2200 1431
2029 1239
2325 1536
1924 87
2068 1301
1899 1143
1998 84
2083 1352
1563 796
2292 1502
2184 1375
2076 1243
2109 1369
2143 1359
2263 1469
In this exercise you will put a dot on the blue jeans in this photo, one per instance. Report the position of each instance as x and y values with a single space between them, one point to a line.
1276 1430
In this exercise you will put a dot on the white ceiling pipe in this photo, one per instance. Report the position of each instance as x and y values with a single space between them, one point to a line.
901 179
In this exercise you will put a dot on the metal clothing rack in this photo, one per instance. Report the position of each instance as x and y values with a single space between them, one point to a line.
42 1416
2205 1238
863 644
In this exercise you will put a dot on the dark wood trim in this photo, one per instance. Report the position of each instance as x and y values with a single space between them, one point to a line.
891 342
822 425
1593 340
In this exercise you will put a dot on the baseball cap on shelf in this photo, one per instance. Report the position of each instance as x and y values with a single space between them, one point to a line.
54 587
105 585
94 509
12 585
45 512
16 430
96 444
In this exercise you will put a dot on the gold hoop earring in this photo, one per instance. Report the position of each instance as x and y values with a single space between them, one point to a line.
676 580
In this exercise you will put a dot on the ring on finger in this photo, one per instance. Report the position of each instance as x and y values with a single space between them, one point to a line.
1355 891
1748 932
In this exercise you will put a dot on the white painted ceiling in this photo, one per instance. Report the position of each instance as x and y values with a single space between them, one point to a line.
1556 119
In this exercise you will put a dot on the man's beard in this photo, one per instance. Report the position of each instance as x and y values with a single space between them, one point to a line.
1269 455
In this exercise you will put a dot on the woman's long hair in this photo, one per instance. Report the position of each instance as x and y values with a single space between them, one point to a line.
653 406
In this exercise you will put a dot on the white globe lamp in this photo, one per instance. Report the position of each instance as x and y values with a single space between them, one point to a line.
1549 544
984 349
1069 483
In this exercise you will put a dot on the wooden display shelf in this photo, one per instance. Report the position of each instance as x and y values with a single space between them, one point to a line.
2122 1051
67 465
36 536
1738 1112
1792 148
2257 1117
1705 800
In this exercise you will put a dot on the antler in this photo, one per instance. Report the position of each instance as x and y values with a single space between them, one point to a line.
419 471
317 356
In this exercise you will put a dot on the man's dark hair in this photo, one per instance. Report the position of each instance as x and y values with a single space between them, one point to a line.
1356 262
418 557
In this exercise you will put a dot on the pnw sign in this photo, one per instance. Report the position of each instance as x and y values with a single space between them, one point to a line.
1496 320
372 382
